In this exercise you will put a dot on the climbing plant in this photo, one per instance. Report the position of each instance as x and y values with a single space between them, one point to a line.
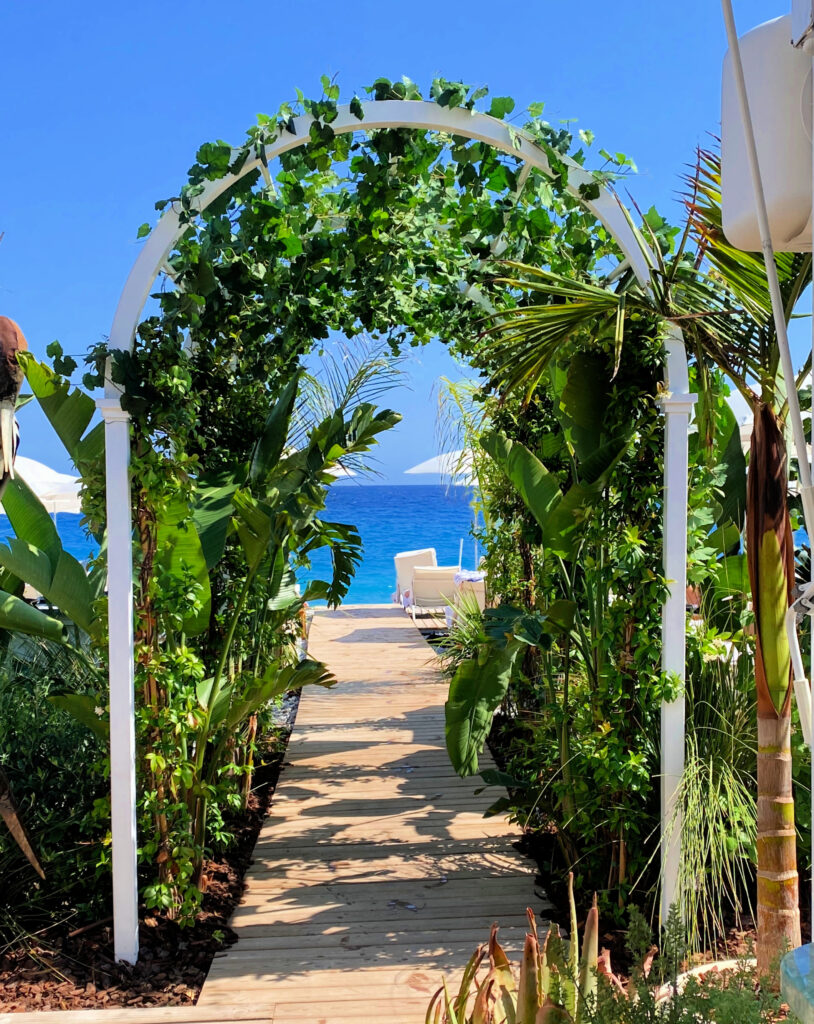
383 233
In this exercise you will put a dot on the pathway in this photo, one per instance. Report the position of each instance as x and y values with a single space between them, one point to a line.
375 872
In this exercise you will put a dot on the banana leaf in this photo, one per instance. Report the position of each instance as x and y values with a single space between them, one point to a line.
254 521
17 615
238 699
83 709
30 520
271 443
68 411
212 513
475 693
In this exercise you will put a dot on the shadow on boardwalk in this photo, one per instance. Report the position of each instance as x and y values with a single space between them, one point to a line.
376 871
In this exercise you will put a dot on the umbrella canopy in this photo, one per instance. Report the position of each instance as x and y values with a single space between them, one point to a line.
59 492
457 465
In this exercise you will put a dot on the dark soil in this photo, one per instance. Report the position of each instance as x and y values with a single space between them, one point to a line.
77 969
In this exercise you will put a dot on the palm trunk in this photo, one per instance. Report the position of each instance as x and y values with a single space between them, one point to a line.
778 911
770 555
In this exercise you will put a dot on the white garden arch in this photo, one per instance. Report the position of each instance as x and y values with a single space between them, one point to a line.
676 404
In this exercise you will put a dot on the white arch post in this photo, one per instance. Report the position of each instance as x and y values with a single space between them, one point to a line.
676 404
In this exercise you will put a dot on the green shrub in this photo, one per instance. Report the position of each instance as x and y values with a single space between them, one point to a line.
56 771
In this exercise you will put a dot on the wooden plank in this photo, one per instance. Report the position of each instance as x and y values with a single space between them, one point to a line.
299 940
227 1011
376 872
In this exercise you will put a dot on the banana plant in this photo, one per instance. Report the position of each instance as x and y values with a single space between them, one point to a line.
264 513
480 685
272 508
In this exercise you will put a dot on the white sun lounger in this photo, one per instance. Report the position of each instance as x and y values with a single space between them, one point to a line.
474 590
433 588
405 562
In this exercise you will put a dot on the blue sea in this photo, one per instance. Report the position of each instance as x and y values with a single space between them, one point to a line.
397 518
389 518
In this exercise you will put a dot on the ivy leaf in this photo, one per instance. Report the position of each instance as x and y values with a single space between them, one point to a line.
144 230
357 109
536 109
63 365
589 192
501 106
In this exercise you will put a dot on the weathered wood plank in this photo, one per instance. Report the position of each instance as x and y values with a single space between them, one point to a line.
260 1013
376 872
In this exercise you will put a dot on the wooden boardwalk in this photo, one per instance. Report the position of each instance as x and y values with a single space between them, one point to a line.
376 871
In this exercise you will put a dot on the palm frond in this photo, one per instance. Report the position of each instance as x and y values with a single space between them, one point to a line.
528 337
742 273
346 379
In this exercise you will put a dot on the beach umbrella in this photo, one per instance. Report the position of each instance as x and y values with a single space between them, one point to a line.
59 492
457 464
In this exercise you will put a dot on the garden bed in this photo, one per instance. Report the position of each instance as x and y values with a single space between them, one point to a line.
77 970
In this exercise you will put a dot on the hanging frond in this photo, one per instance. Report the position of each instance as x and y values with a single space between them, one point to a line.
347 379
528 337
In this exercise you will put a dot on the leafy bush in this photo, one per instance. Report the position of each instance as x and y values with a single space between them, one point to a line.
574 660
56 769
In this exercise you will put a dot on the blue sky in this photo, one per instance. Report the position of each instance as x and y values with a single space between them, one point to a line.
104 105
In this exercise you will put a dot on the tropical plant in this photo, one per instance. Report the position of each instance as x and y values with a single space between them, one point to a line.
716 796
577 720
554 988
210 660
724 309
553 984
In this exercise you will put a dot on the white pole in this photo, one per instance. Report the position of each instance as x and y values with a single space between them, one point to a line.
677 406
122 690
808 527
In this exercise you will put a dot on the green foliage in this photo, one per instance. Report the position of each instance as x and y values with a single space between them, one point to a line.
550 987
54 765
573 543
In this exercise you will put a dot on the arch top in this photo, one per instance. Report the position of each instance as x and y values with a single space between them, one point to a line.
421 115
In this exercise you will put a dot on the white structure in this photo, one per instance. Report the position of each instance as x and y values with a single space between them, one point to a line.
778 82
676 404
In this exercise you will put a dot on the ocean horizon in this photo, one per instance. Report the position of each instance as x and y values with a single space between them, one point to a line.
390 518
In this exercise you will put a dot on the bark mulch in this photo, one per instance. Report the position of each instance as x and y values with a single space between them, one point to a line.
78 971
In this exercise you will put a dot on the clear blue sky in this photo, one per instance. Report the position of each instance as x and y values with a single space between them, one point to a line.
104 105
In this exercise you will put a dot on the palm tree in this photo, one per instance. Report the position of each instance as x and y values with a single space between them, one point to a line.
720 298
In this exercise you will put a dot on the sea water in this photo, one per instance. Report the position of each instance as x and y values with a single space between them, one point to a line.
389 518
397 518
